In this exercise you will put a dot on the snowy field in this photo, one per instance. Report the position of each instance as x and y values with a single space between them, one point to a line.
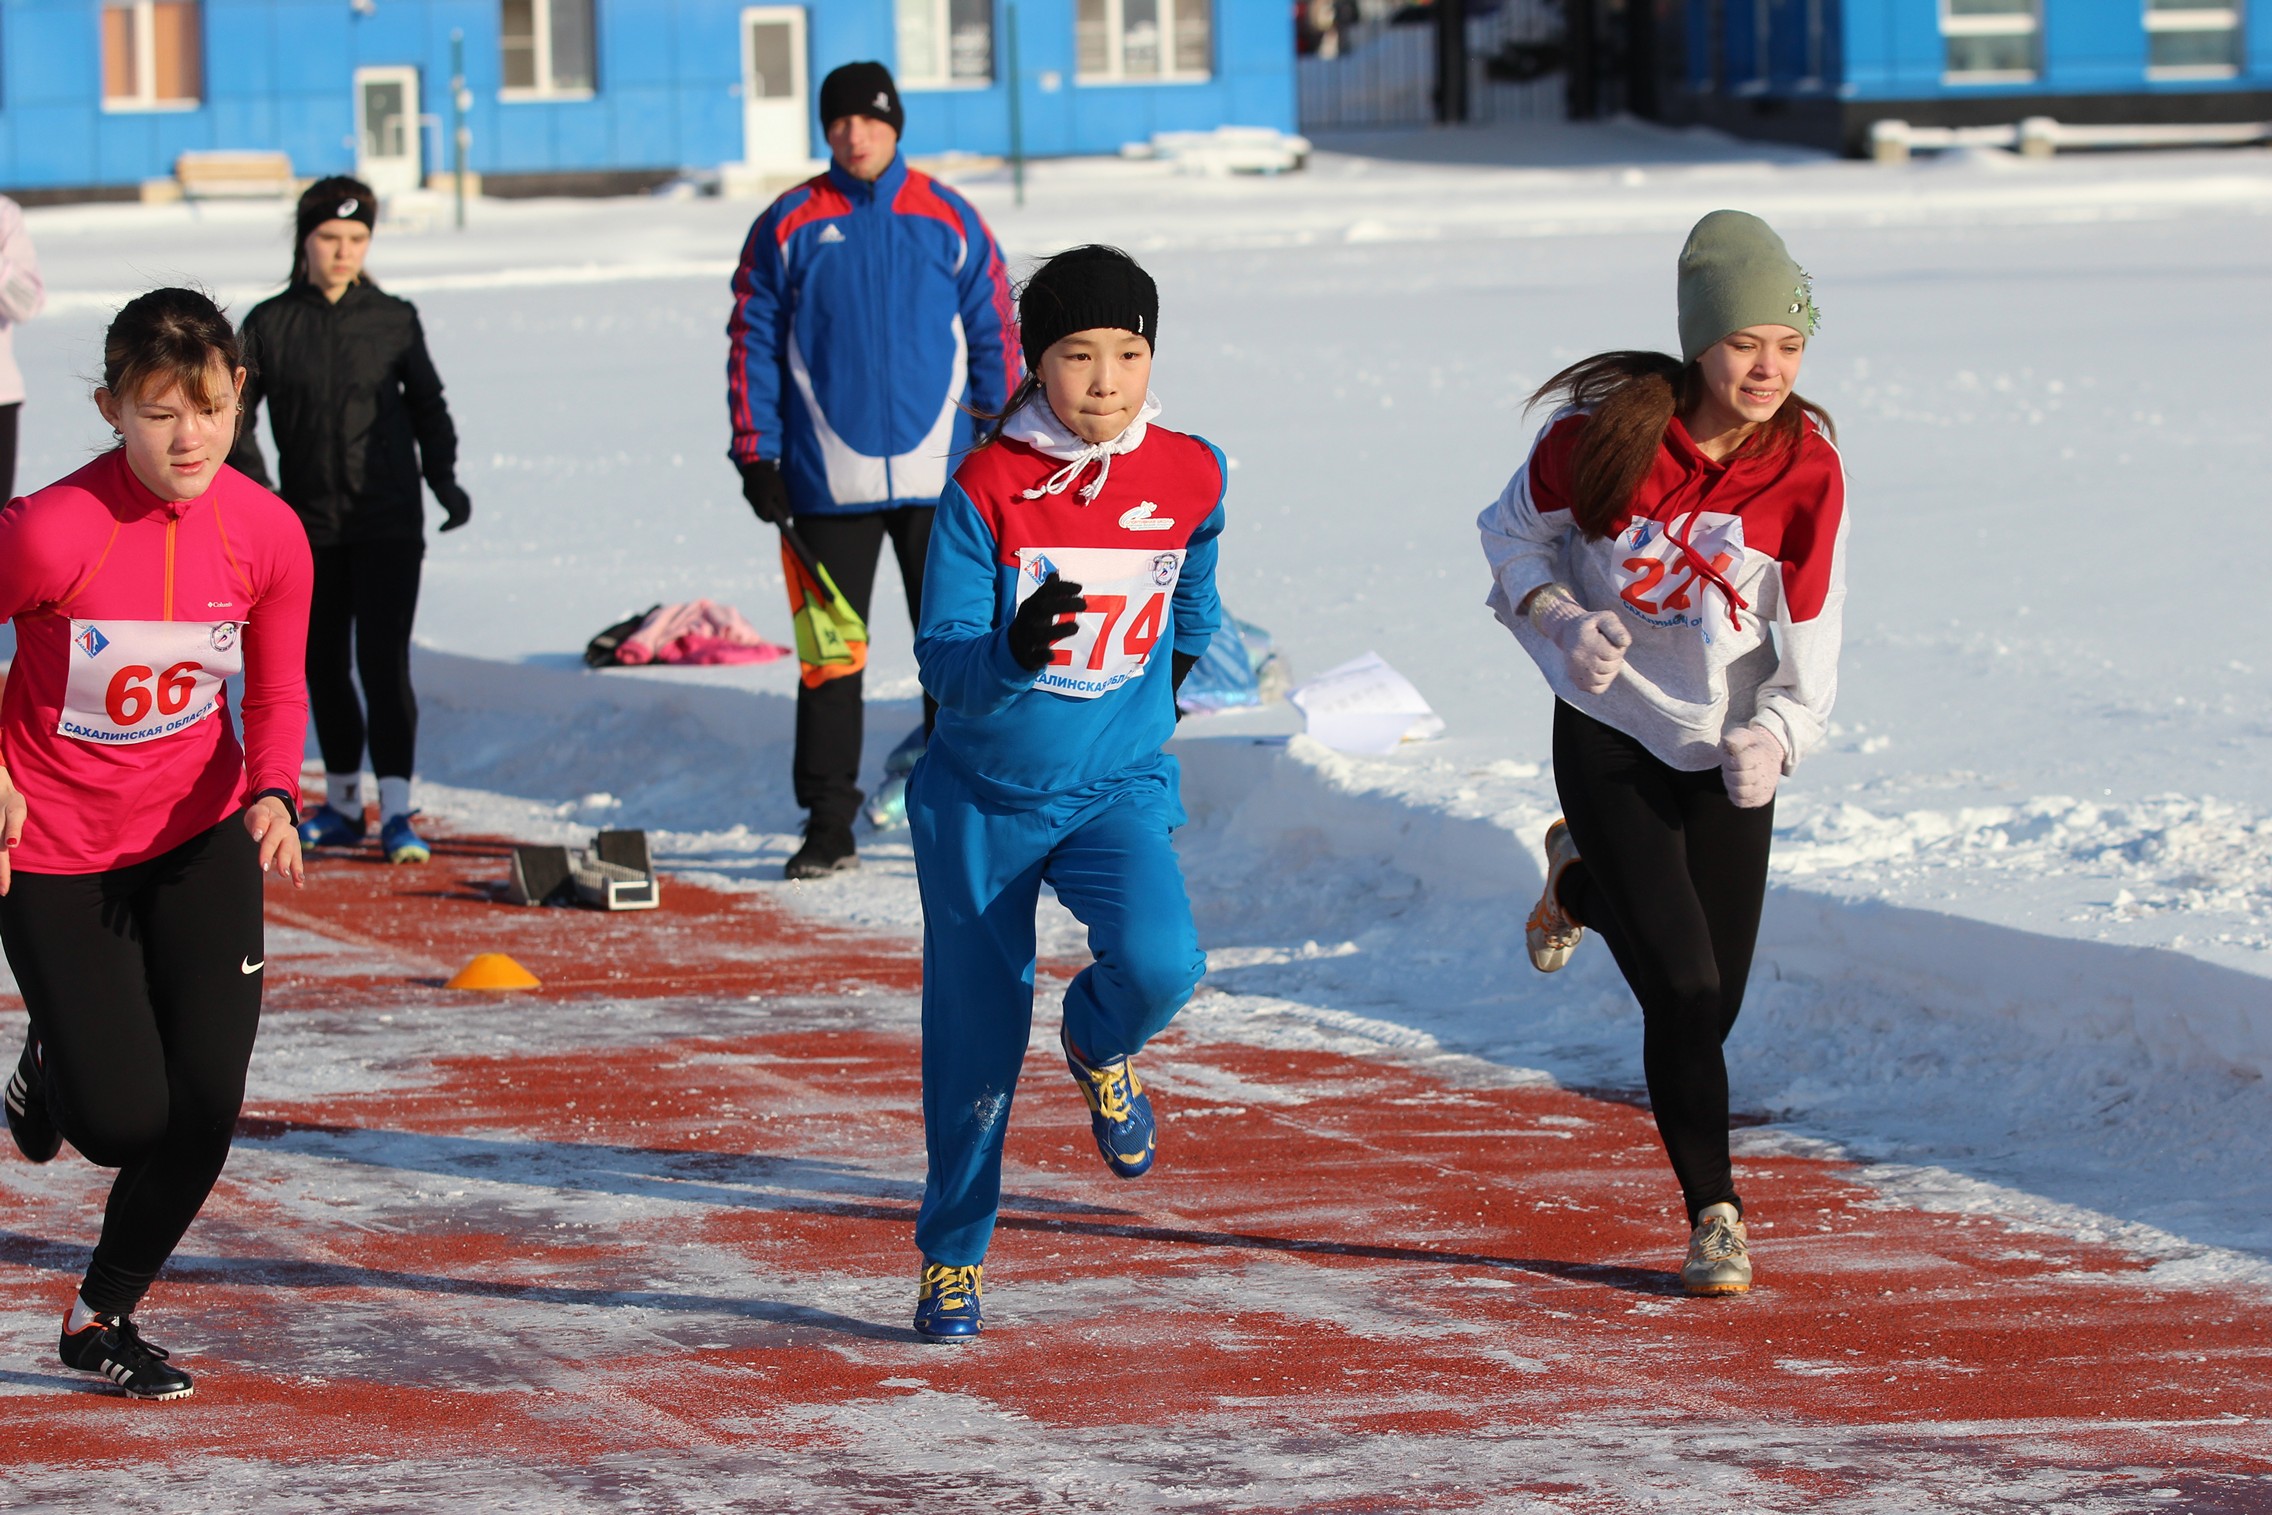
2019 952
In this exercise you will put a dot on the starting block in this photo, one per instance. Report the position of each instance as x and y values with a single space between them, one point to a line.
615 873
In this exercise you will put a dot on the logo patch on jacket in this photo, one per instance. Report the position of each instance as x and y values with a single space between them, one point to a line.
829 233
1140 518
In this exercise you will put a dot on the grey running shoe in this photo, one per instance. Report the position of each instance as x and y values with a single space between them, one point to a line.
1550 935
1719 1254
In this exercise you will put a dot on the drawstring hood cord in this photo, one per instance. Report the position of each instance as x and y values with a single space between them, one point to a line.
1704 569
1038 427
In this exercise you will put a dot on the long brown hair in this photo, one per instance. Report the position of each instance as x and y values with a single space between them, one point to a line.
1633 397
167 337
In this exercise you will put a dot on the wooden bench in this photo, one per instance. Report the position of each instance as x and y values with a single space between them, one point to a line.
235 175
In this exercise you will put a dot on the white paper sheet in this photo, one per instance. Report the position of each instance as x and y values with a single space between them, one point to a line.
1364 706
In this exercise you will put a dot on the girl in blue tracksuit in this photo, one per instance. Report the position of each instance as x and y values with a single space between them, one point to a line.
1071 586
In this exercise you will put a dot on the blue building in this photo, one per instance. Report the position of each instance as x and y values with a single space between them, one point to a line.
97 96
1823 71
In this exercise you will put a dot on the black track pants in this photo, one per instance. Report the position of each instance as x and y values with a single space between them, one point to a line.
826 768
366 596
138 991
1672 877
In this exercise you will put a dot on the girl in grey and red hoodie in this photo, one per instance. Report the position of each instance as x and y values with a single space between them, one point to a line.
1672 557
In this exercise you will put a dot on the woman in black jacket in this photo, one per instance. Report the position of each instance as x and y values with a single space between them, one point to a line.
357 412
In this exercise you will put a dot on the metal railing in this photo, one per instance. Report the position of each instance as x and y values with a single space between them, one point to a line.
1366 64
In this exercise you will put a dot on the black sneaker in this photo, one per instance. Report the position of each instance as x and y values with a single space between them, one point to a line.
28 1122
828 849
110 1345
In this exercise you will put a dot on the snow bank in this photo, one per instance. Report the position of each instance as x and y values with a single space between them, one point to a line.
1380 901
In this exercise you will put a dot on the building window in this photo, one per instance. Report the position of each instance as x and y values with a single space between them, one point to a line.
943 43
1990 41
1142 40
547 47
151 56
2192 39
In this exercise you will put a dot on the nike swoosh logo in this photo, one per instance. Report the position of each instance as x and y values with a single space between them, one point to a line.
249 966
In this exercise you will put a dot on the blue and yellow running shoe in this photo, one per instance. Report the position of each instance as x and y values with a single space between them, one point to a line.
401 844
1120 1112
326 827
946 1302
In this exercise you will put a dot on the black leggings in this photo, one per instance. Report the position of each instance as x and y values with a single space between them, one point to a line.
138 987
826 768
1673 876
366 596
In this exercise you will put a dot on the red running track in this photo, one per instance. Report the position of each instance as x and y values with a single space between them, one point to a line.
641 1240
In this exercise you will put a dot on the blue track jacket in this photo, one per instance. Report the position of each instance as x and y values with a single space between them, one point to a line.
865 317
1144 552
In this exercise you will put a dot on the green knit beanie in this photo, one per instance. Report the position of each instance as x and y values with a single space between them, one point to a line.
1735 272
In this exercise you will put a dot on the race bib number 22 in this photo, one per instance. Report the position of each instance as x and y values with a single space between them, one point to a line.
136 681
1130 593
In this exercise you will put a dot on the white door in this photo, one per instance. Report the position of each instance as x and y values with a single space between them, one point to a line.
776 89
386 129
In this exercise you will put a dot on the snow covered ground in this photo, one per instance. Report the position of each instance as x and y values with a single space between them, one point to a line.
2020 947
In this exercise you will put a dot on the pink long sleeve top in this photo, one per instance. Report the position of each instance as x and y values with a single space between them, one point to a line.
131 613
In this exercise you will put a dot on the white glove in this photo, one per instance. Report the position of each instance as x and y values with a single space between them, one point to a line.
1593 643
1751 761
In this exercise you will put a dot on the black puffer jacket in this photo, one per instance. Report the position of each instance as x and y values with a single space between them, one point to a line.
356 407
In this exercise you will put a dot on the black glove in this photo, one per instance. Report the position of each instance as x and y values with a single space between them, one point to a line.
767 495
457 509
1181 664
1036 630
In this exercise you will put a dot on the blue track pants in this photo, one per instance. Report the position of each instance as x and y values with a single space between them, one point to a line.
981 867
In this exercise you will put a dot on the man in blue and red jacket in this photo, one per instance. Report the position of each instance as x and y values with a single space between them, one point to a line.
872 315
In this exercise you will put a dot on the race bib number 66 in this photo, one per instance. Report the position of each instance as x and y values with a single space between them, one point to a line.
136 681
1130 593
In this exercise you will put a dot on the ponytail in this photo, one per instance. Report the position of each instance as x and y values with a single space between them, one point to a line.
990 422
1633 397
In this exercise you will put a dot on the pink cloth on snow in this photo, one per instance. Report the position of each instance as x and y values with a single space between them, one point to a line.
697 631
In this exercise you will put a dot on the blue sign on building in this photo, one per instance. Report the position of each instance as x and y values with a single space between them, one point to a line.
100 95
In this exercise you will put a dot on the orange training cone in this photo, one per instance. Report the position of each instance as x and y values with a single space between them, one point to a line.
493 970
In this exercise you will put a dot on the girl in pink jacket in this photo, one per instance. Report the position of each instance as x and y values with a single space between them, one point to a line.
136 828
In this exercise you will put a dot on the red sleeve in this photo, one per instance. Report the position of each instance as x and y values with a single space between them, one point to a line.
1549 469
276 643
1810 537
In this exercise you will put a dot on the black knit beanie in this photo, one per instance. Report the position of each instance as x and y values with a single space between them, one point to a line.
862 89
1081 289
337 198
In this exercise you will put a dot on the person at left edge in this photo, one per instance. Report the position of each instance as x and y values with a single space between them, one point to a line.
22 296
872 316
357 411
137 829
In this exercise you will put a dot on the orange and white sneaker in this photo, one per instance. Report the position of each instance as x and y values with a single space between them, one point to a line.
1550 935
1719 1254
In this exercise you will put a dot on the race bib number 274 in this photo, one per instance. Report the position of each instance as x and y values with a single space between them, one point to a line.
1130 594
136 681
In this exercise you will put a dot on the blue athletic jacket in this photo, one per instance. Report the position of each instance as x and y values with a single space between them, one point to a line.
866 316
1143 552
